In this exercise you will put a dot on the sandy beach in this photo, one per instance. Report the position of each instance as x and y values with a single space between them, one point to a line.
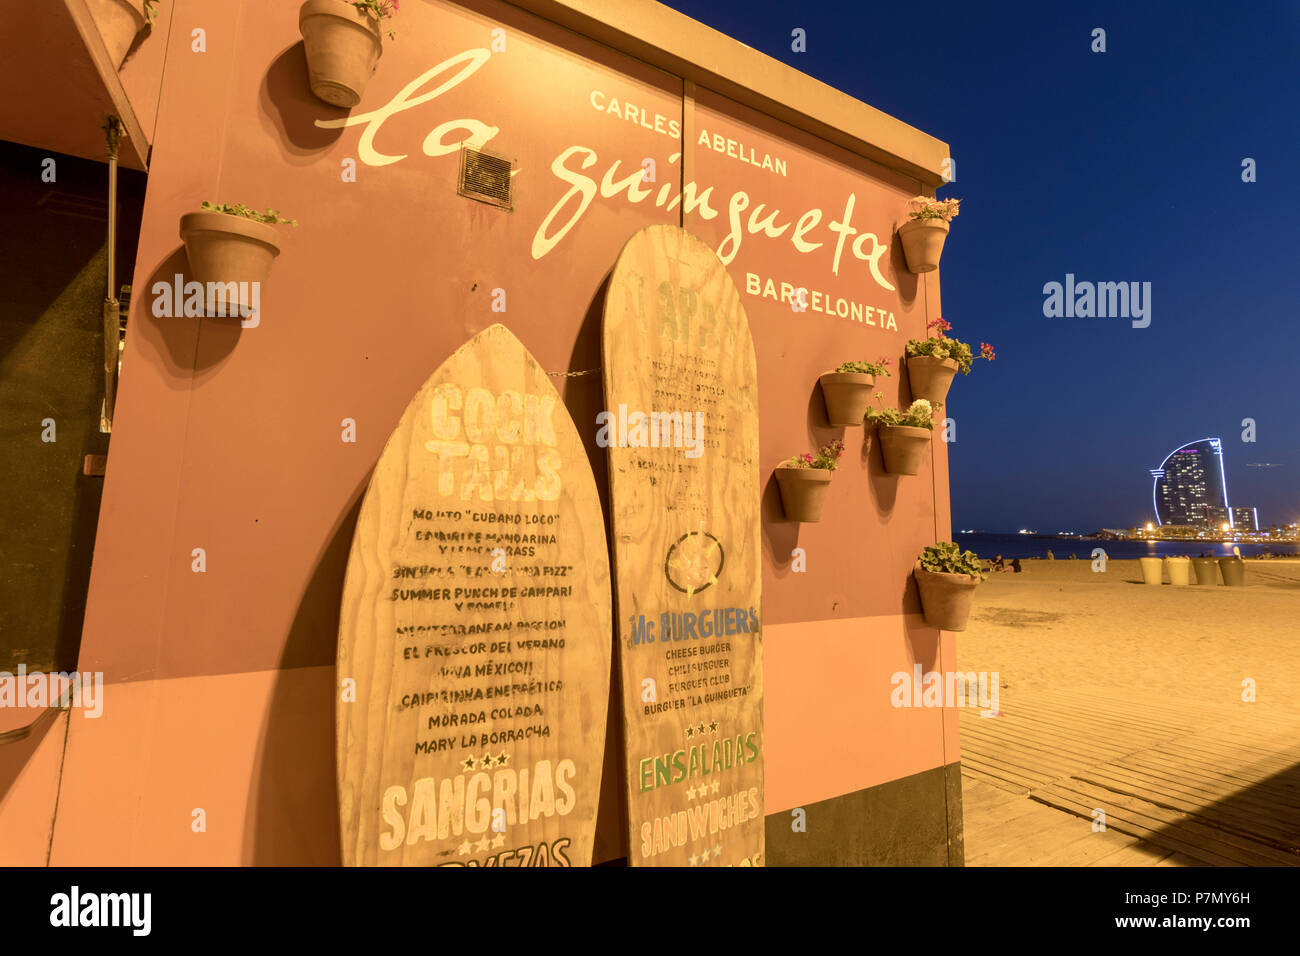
1126 699
1059 626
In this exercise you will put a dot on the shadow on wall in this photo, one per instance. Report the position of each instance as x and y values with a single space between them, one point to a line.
921 638
584 397
191 345
288 102
883 485
293 809
779 533
909 283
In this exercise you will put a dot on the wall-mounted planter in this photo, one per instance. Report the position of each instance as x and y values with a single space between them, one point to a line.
923 243
1180 570
1233 571
945 598
1207 570
343 48
119 22
224 248
1152 570
847 396
903 448
930 377
803 492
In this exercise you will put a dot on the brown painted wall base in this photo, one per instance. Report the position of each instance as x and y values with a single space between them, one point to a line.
914 821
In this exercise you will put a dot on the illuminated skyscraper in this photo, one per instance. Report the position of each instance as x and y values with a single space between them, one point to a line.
1190 488
1245 519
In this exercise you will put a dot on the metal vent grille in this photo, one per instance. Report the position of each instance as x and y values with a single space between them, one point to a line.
485 177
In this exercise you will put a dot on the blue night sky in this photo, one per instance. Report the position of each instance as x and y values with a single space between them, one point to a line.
1122 166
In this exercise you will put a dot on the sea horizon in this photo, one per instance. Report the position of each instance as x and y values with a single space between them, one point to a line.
1011 544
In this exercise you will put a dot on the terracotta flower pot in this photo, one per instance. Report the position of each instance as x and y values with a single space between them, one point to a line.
1180 570
803 492
1152 570
930 377
904 448
343 49
1207 570
224 249
923 243
945 598
119 22
847 396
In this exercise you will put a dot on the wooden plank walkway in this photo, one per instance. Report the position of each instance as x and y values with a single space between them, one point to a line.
1008 829
1185 784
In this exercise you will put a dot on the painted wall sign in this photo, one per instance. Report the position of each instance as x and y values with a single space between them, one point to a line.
842 240
682 431
475 628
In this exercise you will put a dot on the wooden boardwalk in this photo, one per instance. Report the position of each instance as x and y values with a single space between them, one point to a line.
1180 784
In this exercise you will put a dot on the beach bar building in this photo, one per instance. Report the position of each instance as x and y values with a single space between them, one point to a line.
498 160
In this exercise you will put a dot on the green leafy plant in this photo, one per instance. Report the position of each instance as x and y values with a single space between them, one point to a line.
946 558
940 346
828 457
271 216
867 368
918 415
380 10
923 207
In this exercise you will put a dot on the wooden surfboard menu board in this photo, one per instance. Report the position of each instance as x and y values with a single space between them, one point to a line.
476 628
681 427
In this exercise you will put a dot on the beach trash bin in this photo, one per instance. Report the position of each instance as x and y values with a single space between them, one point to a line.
1207 570
1233 571
1152 570
1180 571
